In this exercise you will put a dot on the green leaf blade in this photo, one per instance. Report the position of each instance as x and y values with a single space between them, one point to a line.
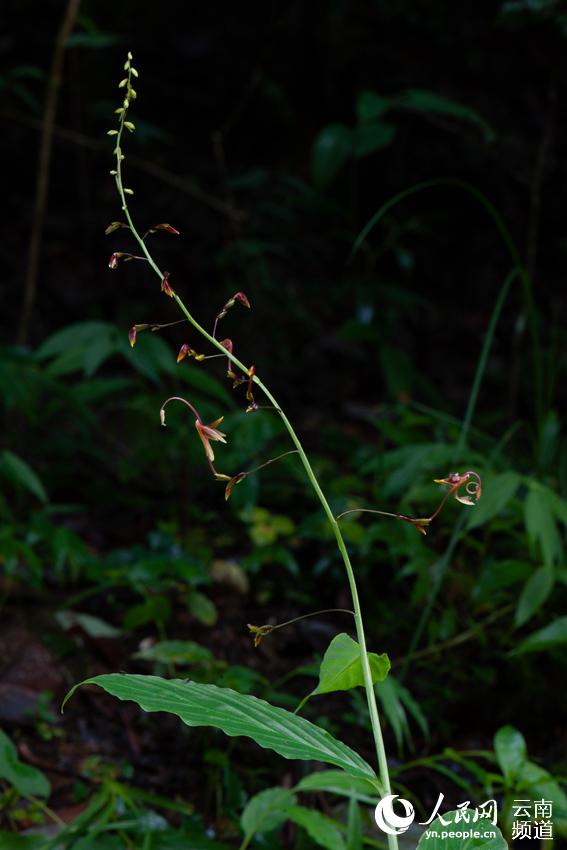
341 668
320 828
511 751
551 636
340 783
15 468
26 779
235 714
331 149
266 811
534 593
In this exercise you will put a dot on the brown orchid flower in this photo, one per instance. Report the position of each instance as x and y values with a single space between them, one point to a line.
470 480
207 433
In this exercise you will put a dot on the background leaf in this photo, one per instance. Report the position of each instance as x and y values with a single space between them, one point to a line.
338 782
496 493
534 593
332 147
540 522
511 751
354 826
428 101
551 636
25 778
319 827
266 811
16 469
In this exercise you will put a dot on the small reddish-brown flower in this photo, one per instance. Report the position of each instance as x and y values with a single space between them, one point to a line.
454 481
259 632
183 352
166 286
187 351
471 481
420 524
242 298
227 343
236 479
208 433
249 393
135 330
114 225
121 255
167 227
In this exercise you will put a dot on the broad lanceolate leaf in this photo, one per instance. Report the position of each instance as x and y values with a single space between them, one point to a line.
26 779
397 703
428 101
354 826
534 593
372 137
176 652
331 149
266 811
235 714
552 635
341 668
319 827
15 468
511 751
540 521
338 782
538 784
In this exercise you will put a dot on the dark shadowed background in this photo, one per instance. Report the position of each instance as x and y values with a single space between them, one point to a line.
270 135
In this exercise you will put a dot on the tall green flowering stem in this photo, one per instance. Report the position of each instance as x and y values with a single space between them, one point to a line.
123 192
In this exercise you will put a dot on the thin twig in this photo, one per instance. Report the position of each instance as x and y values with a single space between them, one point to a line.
43 168
457 640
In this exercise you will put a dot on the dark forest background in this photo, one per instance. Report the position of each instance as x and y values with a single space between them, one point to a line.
269 135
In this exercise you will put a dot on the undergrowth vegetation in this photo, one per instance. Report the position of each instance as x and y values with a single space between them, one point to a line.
210 571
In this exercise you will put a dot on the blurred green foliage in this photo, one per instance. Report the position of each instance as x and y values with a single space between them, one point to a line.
112 525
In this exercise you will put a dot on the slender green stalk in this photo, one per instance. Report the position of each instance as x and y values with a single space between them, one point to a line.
482 361
367 675
443 563
526 281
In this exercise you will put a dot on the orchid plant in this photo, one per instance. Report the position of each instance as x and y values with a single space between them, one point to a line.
197 704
